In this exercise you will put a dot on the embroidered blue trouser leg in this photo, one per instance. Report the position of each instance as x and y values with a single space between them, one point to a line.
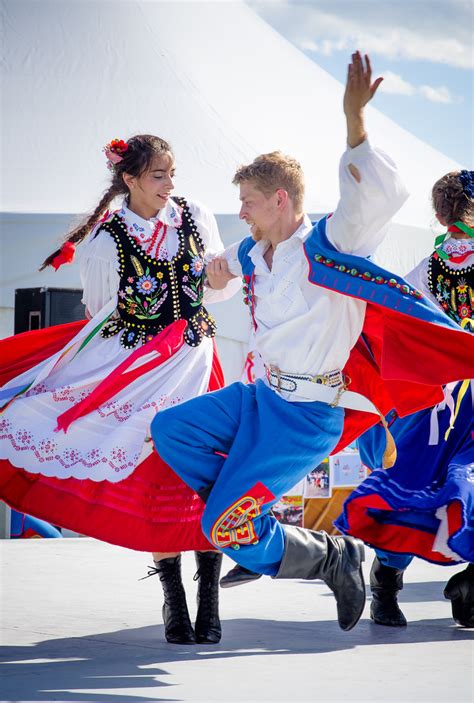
269 443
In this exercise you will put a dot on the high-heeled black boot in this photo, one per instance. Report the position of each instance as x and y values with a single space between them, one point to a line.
178 628
385 583
208 626
460 591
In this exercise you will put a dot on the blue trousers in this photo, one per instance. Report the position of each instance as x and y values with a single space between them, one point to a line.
242 448
21 524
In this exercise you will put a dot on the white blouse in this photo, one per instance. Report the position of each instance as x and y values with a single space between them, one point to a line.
99 262
304 328
109 442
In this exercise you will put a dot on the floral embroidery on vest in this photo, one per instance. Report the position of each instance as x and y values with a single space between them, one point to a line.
154 293
452 288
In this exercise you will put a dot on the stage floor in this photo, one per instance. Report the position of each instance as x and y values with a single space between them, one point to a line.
77 625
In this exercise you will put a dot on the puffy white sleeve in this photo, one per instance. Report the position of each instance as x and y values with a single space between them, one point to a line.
371 193
213 246
418 278
99 271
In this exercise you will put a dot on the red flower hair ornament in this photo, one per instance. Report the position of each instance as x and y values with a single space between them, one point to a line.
65 256
113 152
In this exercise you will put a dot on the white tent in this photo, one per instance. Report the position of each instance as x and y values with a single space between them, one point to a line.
210 77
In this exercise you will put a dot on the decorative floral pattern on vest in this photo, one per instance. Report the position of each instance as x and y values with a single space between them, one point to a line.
154 293
453 289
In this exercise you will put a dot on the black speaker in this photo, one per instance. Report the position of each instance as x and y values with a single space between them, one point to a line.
36 308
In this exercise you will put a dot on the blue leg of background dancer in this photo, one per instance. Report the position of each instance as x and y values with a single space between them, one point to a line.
395 561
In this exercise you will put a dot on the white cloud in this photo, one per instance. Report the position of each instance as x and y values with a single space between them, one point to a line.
436 95
396 85
390 28
309 45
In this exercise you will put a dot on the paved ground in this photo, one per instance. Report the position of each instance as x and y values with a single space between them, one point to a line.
77 625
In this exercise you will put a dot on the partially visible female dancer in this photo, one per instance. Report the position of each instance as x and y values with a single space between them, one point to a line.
424 505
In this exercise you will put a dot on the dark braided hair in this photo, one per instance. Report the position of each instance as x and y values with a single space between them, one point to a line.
453 199
136 160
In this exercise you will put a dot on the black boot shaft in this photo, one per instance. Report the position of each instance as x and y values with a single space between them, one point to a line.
385 578
208 626
336 560
178 628
385 583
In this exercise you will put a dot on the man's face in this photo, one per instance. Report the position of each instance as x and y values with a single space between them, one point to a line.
257 210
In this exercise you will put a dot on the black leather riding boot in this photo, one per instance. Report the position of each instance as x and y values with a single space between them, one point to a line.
207 625
178 628
335 560
385 583
237 576
460 591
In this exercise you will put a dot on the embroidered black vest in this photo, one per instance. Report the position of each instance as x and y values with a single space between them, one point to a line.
154 293
453 289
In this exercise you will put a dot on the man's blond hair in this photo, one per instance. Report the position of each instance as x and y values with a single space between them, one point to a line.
269 172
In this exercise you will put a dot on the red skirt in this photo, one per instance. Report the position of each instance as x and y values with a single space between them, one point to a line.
151 510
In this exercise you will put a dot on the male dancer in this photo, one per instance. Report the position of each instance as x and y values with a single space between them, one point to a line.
246 445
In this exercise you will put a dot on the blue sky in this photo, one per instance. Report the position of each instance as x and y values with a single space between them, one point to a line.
423 48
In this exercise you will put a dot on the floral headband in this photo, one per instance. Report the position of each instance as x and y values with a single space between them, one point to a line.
113 152
467 180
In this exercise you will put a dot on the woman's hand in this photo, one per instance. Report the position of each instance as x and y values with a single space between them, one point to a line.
218 274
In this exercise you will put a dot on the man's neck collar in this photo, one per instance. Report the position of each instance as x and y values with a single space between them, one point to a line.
287 231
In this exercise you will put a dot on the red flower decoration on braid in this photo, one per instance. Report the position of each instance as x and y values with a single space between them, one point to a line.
114 150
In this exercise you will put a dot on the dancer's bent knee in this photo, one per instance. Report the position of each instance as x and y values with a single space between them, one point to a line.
166 430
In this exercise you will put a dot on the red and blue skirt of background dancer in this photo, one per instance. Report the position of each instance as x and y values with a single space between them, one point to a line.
424 505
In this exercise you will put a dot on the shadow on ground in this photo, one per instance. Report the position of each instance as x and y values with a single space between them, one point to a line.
420 592
136 658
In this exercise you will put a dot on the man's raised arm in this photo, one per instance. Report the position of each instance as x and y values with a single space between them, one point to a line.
371 189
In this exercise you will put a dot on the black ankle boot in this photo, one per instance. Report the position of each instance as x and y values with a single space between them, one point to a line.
385 583
207 625
460 591
178 628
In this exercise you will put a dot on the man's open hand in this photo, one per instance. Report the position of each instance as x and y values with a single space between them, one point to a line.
359 86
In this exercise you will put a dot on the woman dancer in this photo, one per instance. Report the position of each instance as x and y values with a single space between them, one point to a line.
74 431
423 506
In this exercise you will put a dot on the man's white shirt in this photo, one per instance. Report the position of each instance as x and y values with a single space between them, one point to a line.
304 328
